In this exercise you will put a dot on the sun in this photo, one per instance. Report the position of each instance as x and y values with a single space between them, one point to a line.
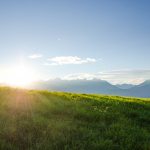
20 76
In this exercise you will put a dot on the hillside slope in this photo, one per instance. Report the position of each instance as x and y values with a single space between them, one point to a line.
94 86
52 120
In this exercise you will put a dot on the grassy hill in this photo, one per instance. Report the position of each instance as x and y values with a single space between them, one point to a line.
41 120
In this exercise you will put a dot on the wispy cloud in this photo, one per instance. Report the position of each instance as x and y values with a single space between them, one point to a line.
66 60
35 56
126 76
81 76
115 77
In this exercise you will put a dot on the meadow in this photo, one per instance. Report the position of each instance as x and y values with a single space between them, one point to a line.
42 120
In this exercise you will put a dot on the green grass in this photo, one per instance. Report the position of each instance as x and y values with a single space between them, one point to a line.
41 120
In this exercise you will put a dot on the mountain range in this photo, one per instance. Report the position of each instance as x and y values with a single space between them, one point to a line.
94 86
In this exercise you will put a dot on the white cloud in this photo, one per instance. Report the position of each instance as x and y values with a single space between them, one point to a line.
81 76
115 77
65 60
35 56
58 39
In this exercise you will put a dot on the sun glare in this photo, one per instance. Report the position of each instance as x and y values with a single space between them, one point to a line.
19 76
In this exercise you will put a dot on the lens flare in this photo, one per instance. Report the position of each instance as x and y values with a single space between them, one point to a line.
20 76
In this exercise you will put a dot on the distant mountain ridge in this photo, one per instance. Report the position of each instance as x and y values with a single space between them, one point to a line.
125 86
141 90
94 86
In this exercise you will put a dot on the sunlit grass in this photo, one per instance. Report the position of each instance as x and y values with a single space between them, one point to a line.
56 120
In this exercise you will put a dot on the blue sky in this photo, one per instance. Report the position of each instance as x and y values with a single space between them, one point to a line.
83 38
